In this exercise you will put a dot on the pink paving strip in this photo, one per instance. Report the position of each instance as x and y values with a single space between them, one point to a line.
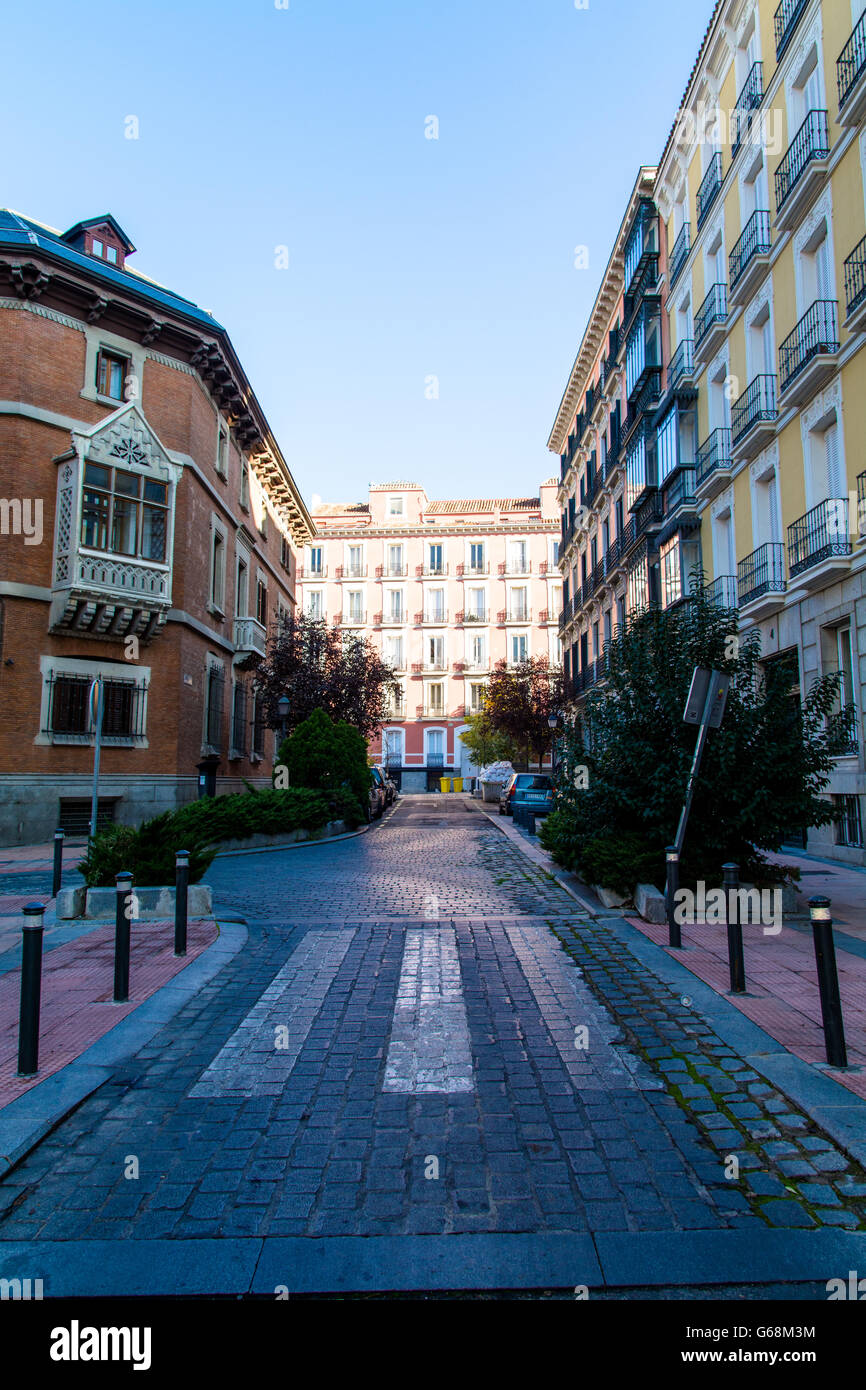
77 988
782 988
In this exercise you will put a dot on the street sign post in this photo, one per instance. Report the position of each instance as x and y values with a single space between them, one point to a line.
97 712
705 706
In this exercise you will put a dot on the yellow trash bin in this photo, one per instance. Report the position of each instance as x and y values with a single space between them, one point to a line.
444 784
458 784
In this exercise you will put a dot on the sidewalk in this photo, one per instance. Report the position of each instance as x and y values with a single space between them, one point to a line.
844 886
77 989
781 980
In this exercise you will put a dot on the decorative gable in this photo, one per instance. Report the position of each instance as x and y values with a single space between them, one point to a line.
125 438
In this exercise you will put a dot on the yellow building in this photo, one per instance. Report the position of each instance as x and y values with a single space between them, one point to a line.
753 460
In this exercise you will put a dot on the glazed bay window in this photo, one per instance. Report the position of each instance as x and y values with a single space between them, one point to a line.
124 513
111 374
671 572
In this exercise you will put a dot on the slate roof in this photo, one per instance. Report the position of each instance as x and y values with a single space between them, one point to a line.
18 233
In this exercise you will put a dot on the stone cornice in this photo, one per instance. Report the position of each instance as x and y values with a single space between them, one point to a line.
608 296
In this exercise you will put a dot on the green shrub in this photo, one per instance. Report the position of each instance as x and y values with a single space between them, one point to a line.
621 862
327 756
149 852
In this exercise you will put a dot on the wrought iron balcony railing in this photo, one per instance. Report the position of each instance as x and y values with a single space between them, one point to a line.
842 733
713 310
750 98
351 571
722 591
709 187
682 363
714 453
762 572
680 491
816 333
811 142
787 17
851 62
755 405
755 241
855 277
820 534
680 252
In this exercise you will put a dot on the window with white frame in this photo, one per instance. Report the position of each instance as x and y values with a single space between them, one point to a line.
475 605
436 698
434 739
316 560
315 604
242 585
393 652
355 605
435 606
394 601
519 648
217 565
395 559
355 561
671 574
477 563
222 458
395 506
477 691
476 650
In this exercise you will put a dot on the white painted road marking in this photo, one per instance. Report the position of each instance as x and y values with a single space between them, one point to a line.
430 1049
250 1063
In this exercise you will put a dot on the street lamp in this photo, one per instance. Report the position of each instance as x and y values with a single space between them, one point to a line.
283 707
553 725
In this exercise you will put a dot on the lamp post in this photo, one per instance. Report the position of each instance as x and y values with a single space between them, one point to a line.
553 725
283 707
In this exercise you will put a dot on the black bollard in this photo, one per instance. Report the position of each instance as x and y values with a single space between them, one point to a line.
828 981
671 887
181 885
31 989
121 937
736 960
58 863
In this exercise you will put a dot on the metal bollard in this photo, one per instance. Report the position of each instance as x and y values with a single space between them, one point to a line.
828 981
121 937
736 960
530 822
58 863
181 885
671 886
31 989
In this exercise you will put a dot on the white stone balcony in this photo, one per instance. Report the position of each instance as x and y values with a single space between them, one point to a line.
104 595
250 636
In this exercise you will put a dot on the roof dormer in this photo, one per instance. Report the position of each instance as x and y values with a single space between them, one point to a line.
102 238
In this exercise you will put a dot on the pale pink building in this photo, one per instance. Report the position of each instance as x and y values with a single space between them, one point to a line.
445 589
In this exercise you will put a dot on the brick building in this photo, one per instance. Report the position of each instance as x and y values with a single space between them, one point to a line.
445 589
148 527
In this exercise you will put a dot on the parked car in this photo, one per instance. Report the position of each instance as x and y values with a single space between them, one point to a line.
377 795
531 789
390 786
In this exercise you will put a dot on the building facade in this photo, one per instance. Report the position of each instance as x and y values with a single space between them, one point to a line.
148 535
759 298
445 590
610 515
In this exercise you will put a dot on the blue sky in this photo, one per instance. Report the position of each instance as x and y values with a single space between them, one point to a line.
409 258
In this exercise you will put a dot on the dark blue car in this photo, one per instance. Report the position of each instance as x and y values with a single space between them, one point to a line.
534 790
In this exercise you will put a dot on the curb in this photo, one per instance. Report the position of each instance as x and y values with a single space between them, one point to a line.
25 1121
604 1260
838 1111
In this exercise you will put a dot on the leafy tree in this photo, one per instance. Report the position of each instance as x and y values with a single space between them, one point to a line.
520 699
327 756
319 668
486 744
763 772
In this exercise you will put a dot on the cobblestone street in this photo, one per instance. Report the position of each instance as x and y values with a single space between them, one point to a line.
424 1035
